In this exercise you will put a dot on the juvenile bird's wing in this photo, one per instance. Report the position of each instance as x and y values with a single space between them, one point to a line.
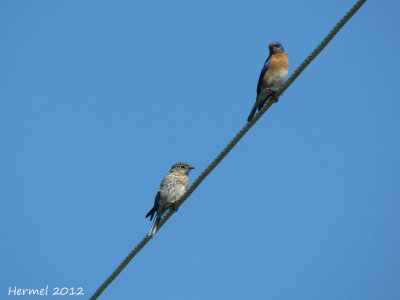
155 207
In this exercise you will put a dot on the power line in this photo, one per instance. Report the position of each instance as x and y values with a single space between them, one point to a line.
233 143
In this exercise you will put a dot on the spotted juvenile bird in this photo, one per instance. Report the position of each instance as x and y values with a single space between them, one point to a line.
173 186
272 76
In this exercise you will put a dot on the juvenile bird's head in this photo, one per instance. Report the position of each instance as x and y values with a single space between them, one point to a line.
181 168
275 48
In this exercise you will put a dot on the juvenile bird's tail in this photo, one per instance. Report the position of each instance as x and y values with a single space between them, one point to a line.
154 227
152 212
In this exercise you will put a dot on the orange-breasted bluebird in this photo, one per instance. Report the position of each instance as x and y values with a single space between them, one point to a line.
173 186
272 76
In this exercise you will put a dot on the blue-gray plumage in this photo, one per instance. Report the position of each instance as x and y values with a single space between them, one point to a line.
173 186
272 76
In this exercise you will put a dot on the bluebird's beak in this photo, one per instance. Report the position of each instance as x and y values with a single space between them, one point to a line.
191 167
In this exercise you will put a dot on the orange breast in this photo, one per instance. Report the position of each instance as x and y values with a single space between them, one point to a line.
279 61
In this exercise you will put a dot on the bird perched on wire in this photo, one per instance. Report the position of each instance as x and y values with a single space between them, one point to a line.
272 76
173 186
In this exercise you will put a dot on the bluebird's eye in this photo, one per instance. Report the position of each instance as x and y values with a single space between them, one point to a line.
182 166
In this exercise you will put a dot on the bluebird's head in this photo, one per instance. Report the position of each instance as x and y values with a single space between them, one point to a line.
181 168
275 48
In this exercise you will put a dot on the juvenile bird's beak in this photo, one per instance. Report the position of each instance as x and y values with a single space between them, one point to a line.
191 167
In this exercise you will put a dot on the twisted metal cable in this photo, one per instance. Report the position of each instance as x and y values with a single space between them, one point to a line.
232 143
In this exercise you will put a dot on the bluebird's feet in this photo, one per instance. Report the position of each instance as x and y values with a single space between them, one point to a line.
273 96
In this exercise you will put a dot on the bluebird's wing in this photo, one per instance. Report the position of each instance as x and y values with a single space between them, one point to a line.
258 104
262 74
155 207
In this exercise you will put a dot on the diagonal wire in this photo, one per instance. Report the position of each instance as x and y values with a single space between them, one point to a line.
233 143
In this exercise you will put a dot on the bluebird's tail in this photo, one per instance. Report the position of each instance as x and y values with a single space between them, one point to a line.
252 113
259 104
154 227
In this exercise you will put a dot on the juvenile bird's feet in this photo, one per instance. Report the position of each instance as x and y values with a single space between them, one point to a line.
174 208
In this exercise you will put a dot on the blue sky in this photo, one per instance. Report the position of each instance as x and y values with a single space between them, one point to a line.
100 98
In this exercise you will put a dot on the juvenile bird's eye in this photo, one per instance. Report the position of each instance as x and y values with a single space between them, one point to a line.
182 166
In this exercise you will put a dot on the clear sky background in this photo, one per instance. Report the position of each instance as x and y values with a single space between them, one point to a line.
99 98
